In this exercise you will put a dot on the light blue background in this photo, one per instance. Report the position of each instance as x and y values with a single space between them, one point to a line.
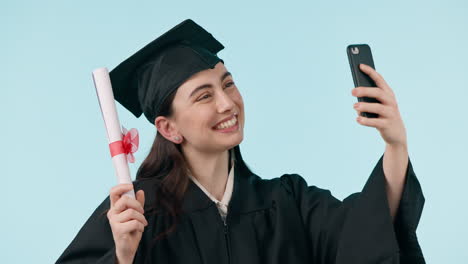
290 63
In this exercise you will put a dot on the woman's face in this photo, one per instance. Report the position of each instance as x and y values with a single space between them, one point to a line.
209 111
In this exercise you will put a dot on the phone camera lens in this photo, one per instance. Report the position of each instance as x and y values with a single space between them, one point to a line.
355 50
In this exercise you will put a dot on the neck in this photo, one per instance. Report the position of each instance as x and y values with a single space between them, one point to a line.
210 169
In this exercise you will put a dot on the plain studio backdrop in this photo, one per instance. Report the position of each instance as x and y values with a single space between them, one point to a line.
289 62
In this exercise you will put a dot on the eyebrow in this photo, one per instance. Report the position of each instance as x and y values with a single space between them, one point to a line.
207 85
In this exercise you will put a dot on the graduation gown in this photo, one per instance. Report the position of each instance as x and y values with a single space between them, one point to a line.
276 221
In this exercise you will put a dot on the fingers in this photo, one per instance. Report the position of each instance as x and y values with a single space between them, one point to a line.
127 202
131 226
378 79
140 196
128 215
373 92
385 94
117 191
372 122
125 211
380 109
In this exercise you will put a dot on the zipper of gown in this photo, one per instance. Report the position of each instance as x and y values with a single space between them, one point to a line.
226 237
226 228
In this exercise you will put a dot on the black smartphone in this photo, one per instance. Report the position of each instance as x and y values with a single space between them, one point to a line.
361 53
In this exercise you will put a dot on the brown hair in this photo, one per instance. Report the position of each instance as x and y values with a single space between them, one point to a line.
167 164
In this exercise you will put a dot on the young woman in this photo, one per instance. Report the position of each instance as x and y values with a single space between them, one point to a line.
198 202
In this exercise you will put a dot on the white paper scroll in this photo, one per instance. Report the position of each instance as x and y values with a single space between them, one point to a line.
111 121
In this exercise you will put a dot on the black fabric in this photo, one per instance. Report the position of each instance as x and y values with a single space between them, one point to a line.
143 81
280 220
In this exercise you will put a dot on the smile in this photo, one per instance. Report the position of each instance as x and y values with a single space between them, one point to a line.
227 124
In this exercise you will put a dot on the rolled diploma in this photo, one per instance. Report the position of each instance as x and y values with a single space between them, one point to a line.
111 122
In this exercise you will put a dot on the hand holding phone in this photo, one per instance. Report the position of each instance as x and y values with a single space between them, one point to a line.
389 122
357 54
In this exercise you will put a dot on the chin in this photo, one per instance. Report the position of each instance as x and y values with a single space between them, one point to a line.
227 144
237 142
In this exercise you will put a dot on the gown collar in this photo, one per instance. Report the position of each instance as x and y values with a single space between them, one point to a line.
223 204
246 194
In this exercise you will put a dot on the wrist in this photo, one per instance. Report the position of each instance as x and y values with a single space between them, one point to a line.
397 146
119 259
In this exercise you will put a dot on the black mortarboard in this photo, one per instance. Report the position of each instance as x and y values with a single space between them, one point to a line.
143 81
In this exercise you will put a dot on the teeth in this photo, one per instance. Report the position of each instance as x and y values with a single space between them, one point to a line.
227 124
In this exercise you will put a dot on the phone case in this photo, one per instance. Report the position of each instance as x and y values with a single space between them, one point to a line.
357 54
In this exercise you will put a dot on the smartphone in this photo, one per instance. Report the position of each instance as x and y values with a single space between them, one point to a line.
357 54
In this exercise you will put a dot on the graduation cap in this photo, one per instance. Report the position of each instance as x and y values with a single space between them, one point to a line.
143 81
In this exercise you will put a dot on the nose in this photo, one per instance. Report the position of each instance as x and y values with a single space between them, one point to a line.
224 103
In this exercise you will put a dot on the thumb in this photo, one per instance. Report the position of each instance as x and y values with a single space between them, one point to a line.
140 196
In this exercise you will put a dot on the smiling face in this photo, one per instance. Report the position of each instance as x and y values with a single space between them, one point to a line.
208 112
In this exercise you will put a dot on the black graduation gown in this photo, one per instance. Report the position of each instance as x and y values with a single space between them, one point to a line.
280 220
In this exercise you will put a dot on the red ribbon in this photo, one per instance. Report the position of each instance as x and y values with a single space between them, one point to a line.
128 144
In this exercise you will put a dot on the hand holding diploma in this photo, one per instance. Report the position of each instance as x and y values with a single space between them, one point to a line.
127 221
126 213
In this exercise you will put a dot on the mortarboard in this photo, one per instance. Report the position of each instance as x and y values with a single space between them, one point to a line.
142 82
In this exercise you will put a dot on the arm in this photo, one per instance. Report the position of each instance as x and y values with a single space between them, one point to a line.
359 229
393 132
404 197
395 164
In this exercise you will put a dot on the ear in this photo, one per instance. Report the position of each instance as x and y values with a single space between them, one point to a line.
167 128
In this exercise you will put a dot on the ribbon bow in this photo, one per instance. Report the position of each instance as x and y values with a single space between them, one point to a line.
128 145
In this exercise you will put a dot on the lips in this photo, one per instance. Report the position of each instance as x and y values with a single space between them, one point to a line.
226 122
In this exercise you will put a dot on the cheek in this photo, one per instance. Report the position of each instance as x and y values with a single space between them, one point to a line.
195 120
240 102
237 98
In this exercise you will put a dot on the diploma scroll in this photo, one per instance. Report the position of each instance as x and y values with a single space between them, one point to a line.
105 96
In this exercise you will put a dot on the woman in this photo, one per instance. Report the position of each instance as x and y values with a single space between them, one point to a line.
198 202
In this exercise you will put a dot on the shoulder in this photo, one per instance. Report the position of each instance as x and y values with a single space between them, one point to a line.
291 191
297 187
290 184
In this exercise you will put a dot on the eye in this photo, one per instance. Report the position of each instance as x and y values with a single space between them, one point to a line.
206 96
229 84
